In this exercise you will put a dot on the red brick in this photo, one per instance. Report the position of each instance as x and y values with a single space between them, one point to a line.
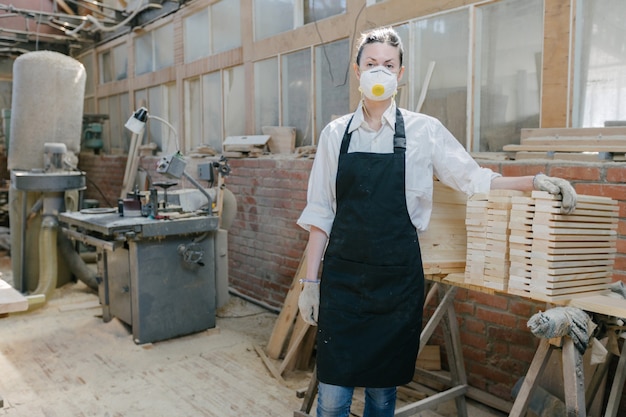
614 191
496 317
616 174
586 173
519 170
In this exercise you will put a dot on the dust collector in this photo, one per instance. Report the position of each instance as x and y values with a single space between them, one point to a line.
46 124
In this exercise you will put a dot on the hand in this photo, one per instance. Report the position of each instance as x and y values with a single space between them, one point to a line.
556 186
309 302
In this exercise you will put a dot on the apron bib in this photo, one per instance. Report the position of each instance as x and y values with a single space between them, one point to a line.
372 289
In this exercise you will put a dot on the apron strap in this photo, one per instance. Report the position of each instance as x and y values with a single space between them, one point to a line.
399 137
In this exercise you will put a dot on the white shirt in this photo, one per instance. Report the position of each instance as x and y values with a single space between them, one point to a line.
430 150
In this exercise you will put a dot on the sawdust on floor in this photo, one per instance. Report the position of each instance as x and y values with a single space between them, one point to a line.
63 360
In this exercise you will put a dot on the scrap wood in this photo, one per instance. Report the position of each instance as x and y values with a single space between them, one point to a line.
268 364
288 313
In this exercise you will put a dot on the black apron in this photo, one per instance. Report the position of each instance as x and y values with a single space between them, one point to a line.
372 290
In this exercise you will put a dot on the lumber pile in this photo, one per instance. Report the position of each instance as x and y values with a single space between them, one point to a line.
551 256
577 144
251 146
487 223
443 244
570 255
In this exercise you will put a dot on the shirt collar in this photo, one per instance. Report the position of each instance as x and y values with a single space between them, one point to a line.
389 116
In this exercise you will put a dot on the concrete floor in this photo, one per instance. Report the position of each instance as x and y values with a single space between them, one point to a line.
63 360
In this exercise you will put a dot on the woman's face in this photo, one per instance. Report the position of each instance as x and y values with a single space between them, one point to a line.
377 54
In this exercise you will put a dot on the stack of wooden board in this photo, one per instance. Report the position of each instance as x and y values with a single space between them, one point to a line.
520 244
476 226
443 244
574 144
488 239
563 256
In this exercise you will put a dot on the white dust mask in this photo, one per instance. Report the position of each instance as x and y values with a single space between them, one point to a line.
378 83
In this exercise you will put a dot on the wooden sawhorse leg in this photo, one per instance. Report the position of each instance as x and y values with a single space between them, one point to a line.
445 316
309 396
618 386
573 378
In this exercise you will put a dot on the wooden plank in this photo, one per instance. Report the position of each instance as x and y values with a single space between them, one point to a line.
282 139
287 314
11 300
565 148
560 132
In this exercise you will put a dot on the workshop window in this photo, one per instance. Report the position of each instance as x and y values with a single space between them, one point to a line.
315 10
296 91
161 102
113 64
234 101
600 71
439 70
203 112
89 103
267 24
266 90
214 29
332 86
115 137
508 72
154 50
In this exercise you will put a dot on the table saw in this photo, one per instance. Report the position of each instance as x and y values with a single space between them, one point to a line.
158 276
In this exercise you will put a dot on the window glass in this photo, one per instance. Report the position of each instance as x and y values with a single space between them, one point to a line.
508 72
87 61
272 17
163 47
296 93
225 25
266 93
317 10
115 137
196 35
143 54
193 113
439 69
120 62
600 74
234 101
212 105
106 67
332 86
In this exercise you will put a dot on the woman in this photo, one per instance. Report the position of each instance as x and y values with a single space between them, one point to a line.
370 193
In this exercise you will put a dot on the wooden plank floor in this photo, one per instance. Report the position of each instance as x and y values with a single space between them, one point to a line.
63 360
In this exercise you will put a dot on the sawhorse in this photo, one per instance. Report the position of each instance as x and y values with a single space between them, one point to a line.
577 399
445 316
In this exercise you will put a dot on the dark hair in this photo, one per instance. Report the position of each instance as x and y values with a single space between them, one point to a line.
381 35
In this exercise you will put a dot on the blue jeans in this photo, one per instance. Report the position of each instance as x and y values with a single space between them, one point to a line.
335 401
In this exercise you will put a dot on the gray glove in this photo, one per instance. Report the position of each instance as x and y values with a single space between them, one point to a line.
556 186
309 302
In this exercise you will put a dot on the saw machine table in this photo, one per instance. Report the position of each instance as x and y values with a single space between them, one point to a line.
158 276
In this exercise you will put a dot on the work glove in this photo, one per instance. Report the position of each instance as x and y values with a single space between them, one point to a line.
309 302
556 186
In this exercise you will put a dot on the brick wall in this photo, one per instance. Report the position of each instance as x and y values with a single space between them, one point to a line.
265 246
